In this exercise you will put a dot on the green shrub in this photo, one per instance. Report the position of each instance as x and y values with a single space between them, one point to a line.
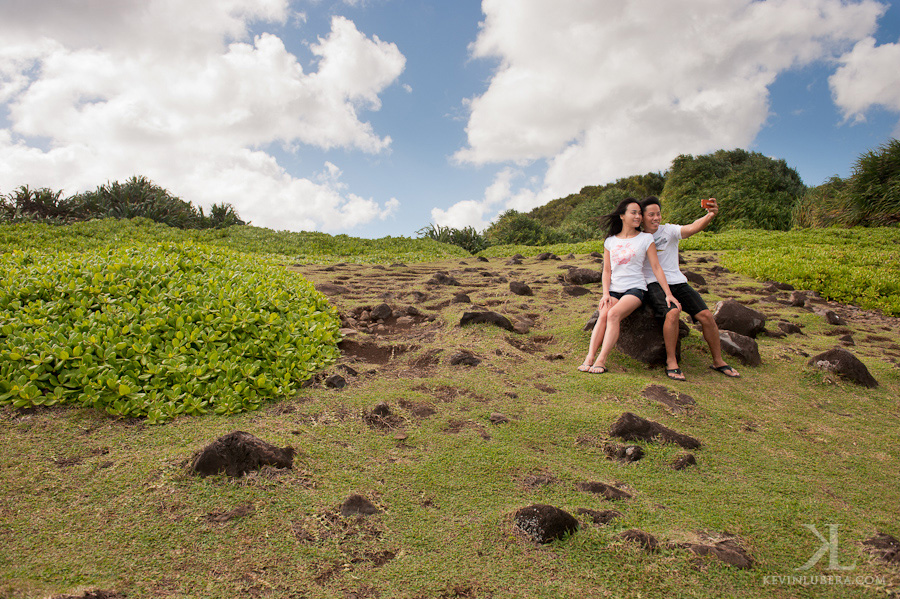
587 217
467 238
873 190
822 206
518 229
157 330
754 191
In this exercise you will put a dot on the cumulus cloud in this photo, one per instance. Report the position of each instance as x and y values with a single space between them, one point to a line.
868 76
180 92
602 90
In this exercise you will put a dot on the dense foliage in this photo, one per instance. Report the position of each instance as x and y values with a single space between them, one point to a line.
754 191
555 212
873 190
513 227
157 330
137 197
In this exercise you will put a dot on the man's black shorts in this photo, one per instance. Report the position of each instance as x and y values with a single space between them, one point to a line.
690 300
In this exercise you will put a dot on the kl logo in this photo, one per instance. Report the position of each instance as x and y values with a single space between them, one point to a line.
829 546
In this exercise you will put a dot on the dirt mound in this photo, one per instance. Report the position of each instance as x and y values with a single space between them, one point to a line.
545 523
372 353
631 427
237 453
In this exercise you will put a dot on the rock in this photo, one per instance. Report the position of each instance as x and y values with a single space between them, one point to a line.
575 290
599 516
734 316
486 318
623 453
481 259
727 551
441 278
684 461
779 286
583 276
464 358
833 318
797 299
677 403
461 298
381 417
641 337
513 261
545 523
846 365
646 540
517 257
547 256
497 418
331 289
694 278
632 427
381 312
596 254
790 328
238 453
520 288
608 491
847 340
885 547
357 505
741 347
335 381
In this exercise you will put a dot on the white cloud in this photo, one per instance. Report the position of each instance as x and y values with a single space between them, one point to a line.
180 93
602 90
868 76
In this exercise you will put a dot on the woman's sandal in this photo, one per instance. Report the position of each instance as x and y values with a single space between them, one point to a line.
585 367
598 369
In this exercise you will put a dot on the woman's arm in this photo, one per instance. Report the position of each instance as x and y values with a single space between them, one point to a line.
660 275
606 280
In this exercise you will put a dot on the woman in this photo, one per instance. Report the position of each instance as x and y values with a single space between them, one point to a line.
624 252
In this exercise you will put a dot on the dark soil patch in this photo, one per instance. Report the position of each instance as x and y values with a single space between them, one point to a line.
599 516
372 353
455 427
237 453
647 541
428 359
98 594
419 410
537 480
358 505
381 417
885 547
241 511
607 491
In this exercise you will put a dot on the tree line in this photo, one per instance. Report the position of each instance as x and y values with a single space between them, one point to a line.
754 192
138 196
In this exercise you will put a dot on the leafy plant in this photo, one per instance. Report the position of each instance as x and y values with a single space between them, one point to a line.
873 190
513 227
157 330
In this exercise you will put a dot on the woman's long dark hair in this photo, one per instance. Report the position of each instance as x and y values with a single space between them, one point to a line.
612 221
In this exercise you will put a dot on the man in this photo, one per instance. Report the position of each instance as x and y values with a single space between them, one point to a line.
666 238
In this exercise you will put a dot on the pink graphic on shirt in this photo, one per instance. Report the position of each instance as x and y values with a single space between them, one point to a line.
622 254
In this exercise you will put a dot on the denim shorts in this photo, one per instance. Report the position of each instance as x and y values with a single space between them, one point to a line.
635 291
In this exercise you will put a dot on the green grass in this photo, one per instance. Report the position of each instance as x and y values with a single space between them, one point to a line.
93 502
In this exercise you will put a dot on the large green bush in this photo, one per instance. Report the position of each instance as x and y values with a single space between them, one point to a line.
467 238
157 330
585 221
823 206
515 228
754 191
873 190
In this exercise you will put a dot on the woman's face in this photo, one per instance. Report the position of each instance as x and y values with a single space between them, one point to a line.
632 217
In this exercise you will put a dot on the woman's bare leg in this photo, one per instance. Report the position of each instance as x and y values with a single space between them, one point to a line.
614 318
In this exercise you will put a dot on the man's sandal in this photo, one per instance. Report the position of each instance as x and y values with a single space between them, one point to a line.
723 369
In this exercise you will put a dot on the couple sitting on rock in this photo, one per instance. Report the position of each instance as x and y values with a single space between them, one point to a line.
643 267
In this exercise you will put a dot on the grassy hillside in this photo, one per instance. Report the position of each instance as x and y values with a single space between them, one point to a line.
94 502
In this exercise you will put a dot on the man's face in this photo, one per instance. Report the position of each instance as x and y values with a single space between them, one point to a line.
652 217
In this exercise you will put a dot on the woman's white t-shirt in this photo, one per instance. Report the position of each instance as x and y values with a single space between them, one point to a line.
626 257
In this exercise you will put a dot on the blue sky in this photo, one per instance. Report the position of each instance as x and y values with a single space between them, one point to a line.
378 117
